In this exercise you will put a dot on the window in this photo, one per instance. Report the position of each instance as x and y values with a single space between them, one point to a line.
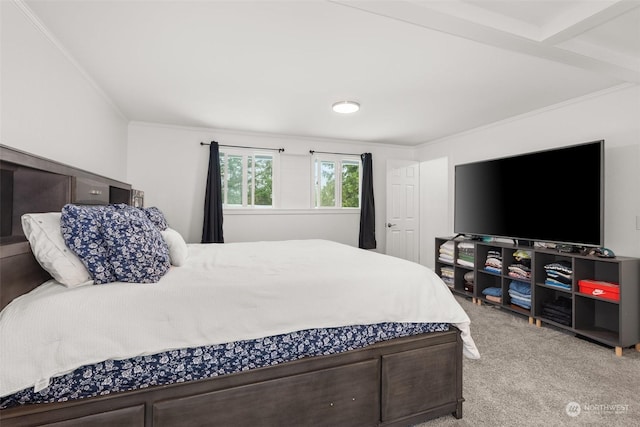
247 178
336 181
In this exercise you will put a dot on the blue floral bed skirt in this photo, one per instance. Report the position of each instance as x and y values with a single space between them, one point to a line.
177 366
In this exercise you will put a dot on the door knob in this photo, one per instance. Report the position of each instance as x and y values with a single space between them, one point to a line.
390 225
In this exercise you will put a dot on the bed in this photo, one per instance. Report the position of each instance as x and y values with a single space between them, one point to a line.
306 332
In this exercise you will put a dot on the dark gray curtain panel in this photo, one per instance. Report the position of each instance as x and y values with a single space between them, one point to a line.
367 238
212 226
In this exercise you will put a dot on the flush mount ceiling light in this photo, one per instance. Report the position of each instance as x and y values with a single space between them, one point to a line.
346 107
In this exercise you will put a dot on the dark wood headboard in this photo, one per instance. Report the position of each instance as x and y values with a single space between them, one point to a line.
32 184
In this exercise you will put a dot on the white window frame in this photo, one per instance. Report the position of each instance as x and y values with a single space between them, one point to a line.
338 160
245 153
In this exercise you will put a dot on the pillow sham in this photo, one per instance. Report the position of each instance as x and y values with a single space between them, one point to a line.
137 251
81 228
47 244
116 243
178 250
156 216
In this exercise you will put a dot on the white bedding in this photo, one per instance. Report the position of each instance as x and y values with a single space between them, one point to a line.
222 293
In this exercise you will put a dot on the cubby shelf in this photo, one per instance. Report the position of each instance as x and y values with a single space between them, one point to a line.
615 323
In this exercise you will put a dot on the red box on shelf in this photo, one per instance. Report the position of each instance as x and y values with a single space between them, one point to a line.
600 289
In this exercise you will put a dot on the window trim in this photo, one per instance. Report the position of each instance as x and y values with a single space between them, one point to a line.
245 153
337 159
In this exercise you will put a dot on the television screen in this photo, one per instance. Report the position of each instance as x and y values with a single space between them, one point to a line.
550 196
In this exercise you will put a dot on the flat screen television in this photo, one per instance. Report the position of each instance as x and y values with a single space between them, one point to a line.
555 196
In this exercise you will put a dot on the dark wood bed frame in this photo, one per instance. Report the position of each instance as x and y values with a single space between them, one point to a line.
399 382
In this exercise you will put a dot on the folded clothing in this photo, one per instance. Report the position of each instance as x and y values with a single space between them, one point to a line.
492 291
552 282
466 255
522 302
447 247
519 271
447 275
520 287
445 257
523 257
562 304
494 299
521 268
494 261
446 251
558 310
559 266
493 269
560 271
520 294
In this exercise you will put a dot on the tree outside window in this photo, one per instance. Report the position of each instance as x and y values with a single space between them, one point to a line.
247 179
350 184
336 182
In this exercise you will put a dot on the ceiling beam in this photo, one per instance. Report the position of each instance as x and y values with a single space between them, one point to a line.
419 15
588 16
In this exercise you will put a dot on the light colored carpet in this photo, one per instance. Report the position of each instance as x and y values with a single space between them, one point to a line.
527 376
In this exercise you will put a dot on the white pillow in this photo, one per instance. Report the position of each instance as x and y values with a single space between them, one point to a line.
178 250
43 232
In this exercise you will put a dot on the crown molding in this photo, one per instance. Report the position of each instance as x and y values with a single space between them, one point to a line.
306 138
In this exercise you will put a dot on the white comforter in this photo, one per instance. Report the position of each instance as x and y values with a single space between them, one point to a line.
223 293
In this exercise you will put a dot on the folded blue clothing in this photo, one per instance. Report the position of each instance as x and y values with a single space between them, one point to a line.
494 292
559 276
557 284
520 287
515 294
520 301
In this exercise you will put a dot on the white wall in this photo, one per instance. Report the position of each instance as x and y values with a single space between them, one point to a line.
434 202
170 166
48 106
612 115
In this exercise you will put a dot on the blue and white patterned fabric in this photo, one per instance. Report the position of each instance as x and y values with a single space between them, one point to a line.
81 228
176 366
136 249
115 243
156 216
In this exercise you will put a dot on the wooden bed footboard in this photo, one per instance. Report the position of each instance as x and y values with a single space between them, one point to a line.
398 382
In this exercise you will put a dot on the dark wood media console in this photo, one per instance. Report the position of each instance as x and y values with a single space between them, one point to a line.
610 322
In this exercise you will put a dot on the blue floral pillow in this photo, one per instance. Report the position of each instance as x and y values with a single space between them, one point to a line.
137 252
81 228
115 243
156 216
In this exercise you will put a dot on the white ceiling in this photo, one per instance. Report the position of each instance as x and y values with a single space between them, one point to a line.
421 70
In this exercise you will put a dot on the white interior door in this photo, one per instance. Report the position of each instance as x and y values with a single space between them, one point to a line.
403 205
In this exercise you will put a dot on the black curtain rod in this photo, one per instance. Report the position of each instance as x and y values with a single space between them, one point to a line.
279 150
327 152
